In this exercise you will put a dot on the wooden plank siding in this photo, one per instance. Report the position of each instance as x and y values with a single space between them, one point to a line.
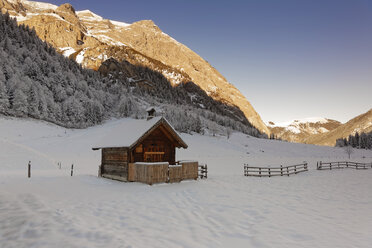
115 162
156 147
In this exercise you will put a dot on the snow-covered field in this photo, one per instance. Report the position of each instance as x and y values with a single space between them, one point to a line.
52 209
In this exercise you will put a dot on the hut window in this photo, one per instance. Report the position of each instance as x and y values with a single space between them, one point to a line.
139 149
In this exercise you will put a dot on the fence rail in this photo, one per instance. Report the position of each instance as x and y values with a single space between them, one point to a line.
343 164
203 171
255 171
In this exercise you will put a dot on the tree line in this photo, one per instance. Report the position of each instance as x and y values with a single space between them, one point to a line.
360 141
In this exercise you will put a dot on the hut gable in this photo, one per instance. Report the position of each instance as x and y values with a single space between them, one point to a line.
132 132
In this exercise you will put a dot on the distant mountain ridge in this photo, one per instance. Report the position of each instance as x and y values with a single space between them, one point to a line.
361 123
91 40
299 130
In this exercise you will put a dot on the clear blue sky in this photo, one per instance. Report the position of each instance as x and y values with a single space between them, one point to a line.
290 58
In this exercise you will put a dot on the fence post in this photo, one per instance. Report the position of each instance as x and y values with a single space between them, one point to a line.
281 170
269 172
206 170
29 169
72 169
259 171
287 171
245 170
295 168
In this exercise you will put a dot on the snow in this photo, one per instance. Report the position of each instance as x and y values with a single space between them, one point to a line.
155 163
304 121
120 24
89 15
174 77
125 133
29 15
53 209
294 126
106 39
41 5
67 51
80 56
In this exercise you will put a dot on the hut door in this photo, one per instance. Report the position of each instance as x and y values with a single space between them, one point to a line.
154 153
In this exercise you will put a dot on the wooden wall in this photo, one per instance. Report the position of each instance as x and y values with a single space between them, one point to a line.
157 147
115 163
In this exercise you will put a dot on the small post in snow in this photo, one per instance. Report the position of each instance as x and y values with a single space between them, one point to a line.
29 169
72 169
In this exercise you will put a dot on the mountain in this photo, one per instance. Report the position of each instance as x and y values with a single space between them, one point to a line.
361 123
91 40
38 82
299 130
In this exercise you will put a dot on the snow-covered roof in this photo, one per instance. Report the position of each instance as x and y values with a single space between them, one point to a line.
132 132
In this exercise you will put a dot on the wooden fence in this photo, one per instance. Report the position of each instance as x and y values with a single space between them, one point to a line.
175 173
151 173
189 169
274 171
343 164
203 171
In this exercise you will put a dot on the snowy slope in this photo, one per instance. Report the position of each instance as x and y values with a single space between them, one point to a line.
52 209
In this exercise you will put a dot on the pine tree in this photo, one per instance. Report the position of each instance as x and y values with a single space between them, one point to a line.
4 101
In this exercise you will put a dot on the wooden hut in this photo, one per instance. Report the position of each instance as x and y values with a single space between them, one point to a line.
138 141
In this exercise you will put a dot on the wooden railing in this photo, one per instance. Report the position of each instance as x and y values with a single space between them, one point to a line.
274 171
203 171
343 164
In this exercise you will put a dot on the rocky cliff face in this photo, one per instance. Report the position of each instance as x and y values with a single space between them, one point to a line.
361 123
300 130
91 40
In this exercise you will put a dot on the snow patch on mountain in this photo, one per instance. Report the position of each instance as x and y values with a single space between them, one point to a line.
120 24
67 51
108 40
80 56
298 121
88 15
173 76
40 5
